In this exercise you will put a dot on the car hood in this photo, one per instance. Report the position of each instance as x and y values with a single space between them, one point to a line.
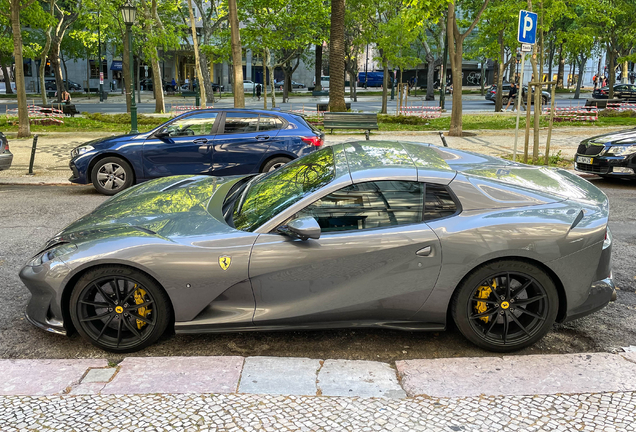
170 208
616 138
107 142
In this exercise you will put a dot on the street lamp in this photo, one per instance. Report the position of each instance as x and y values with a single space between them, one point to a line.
129 13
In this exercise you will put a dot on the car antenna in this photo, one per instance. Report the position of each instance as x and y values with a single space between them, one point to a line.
441 135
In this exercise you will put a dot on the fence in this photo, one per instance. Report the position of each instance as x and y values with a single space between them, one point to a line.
429 112
39 115
623 106
573 114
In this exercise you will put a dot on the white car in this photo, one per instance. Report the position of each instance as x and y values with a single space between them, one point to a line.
248 85
324 82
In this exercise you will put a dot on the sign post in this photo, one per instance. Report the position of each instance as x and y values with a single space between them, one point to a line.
527 36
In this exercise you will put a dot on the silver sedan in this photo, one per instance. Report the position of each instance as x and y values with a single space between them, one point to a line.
371 234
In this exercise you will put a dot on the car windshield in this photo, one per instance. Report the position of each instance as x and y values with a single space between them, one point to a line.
267 196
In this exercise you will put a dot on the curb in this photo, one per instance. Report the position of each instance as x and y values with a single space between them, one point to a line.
451 377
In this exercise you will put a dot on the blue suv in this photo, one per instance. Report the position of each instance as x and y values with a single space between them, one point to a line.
217 142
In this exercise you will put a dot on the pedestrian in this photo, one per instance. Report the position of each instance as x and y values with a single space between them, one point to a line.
258 91
512 96
173 83
594 80
66 97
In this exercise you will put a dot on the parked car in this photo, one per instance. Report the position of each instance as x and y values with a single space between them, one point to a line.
359 234
5 155
295 85
211 142
609 155
248 85
49 84
491 94
621 91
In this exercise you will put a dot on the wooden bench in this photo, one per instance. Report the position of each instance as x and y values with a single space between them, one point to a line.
188 94
601 103
68 110
351 121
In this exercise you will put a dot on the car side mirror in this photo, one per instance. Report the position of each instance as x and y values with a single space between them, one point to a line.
303 228
162 134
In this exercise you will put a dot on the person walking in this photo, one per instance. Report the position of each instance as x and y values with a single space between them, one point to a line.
512 96
258 91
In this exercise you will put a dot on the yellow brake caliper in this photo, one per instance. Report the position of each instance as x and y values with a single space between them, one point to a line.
483 292
142 311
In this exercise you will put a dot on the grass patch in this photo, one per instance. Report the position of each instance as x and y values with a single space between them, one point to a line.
554 160
90 123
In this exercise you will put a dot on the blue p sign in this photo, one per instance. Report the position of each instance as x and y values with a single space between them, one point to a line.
527 27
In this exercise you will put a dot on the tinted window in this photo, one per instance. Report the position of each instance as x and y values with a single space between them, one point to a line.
269 123
369 205
241 123
196 124
439 203
274 192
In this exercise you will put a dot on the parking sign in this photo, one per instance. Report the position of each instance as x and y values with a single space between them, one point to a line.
527 27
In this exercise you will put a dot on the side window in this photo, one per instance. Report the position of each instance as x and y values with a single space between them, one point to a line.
369 205
196 124
269 123
438 203
240 123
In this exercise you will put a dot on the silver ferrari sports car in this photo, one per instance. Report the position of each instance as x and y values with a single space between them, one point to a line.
367 234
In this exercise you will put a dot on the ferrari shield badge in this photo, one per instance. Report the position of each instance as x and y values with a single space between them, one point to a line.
225 261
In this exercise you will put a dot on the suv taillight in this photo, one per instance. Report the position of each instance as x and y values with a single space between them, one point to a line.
313 140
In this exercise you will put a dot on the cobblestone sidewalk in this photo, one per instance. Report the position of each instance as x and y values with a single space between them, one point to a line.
606 412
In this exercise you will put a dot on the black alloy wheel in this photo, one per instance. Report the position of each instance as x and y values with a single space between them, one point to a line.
506 306
119 309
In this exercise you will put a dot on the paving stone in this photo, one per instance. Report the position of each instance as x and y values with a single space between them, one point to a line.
279 375
358 378
91 388
43 377
138 375
518 375
102 375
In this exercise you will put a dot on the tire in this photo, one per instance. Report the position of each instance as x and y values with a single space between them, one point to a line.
109 323
274 164
504 100
111 175
498 323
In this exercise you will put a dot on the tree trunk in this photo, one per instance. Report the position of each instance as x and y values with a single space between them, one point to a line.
7 78
271 77
125 66
24 130
197 60
54 58
286 78
561 69
612 74
352 86
205 77
582 62
160 106
385 85
318 68
43 56
337 57
483 76
550 61
430 77
265 62
237 56
500 73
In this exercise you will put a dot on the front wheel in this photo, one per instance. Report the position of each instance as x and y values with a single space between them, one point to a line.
505 305
111 175
119 309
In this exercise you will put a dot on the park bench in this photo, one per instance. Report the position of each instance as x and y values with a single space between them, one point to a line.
601 103
68 110
188 93
351 121
316 93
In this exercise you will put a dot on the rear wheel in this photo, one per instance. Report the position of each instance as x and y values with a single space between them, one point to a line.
275 163
111 175
505 306
119 309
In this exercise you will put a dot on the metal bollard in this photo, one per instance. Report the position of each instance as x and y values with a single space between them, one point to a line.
441 135
35 144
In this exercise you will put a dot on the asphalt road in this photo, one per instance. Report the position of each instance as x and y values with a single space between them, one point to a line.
373 105
29 215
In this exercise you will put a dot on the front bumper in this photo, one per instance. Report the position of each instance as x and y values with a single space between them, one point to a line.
45 284
78 176
5 160
614 166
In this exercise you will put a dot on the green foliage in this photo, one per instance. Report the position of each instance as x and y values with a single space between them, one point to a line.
554 160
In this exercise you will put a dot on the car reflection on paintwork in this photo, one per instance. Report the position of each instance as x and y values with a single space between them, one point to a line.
359 234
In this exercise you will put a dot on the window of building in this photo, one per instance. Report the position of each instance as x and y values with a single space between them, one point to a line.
94 65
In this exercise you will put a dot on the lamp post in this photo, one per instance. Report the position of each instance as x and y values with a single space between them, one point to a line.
518 61
129 13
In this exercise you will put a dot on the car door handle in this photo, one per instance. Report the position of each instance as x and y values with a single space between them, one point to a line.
200 141
426 251
262 137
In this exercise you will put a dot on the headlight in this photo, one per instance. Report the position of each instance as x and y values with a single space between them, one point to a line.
622 150
81 150
50 254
